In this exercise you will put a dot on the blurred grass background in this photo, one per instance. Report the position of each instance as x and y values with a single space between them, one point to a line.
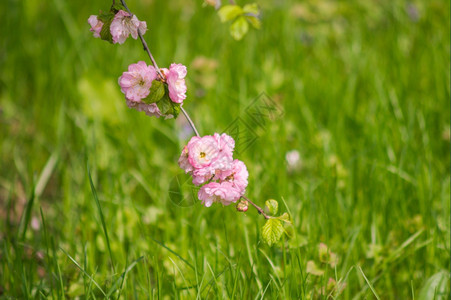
364 87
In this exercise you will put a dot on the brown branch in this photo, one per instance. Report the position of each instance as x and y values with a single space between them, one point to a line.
258 208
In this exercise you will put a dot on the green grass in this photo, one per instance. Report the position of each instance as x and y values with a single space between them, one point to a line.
364 89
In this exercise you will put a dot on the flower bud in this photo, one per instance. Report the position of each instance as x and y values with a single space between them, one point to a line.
242 206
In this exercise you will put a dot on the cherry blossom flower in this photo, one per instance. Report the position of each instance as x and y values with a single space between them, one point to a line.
150 109
209 159
237 175
203 175
184 162
209 154
223 192
136 83
202 151
226 145
175 78
96 25
125 24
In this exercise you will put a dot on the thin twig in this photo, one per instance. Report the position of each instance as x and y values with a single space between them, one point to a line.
258 208
190 121
143 41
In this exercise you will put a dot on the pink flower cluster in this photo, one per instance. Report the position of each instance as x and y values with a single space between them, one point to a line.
209 160
135 84
137 81
123 25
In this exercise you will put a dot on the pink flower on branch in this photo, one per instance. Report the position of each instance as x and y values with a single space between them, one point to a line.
209 154
237 175
161 92
202 151
223 192
124 24
209 159
136 83
96 25
226 144
184 162
175 78
150 109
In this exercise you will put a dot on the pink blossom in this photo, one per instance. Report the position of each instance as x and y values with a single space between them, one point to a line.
223 192
203 175
237 175
184 162
224 160
125 24
96 25
175 78
136 83
226 144
202 151
207 157
150 109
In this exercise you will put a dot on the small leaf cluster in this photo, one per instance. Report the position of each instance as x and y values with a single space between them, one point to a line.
159 94
273 229
240 18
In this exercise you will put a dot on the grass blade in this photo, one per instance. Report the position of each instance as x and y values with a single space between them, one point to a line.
173 252
27 214
46 173
102 219
84 272
121 279
369 283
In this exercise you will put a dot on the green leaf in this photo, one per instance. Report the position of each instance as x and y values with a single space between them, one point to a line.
255 22
164 105
272 205
251 9
285 217
157 92
117 7
167 107
239 28
105 33
229 12
272 231
436 286
105 16
177 110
